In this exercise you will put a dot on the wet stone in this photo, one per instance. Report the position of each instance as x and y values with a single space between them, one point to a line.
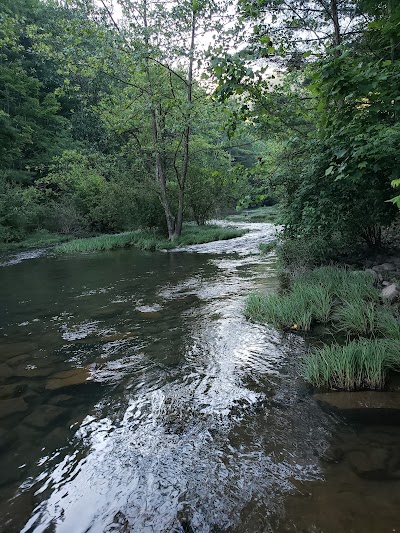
11 391
68 378
12 406
19 359
368 405
62 400
32 372
5 372
7 437
44 415
9 350
57 438
370 464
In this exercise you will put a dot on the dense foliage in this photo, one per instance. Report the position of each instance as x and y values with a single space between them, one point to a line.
97 133
323 81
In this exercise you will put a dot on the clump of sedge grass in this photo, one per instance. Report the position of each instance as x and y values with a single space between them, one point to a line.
361 364
347 297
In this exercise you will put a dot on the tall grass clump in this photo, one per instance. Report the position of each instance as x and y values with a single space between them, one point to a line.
149 240
360 364
95 244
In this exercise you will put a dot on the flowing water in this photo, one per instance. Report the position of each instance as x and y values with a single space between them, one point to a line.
135 397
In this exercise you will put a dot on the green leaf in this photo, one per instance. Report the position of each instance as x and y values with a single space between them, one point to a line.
329 170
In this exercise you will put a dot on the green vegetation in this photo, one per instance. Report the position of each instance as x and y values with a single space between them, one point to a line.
347 301
149 240
95 140
332 121
360 364
38 239
322 295
260 214
267 247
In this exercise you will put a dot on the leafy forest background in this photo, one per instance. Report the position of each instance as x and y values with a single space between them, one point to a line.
160 112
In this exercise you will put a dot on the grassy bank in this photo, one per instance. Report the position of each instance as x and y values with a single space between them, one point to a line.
261 214
360 364
39 239
149 240
347 302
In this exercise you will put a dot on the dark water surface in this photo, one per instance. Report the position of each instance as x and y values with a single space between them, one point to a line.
134 397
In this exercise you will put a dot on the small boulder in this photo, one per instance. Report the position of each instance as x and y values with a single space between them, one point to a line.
384 267
373 273
11 391
68 378
12 407
370 464
371 406
5 372
44 415
390 293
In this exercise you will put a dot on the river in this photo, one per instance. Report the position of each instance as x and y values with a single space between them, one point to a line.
135 397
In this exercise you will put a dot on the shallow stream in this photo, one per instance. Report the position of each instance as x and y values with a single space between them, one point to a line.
135 397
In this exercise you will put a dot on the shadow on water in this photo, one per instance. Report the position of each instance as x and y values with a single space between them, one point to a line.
134 397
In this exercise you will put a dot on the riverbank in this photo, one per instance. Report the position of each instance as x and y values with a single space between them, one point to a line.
143 239
151 240
39 239
359 313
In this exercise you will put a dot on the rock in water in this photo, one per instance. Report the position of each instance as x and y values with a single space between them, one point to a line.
370 464
44 415
68 378
376 406
12 407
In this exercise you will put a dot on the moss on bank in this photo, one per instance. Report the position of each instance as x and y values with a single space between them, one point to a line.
149 240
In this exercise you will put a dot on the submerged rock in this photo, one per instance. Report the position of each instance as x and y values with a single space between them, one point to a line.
44 415
11 391
12 407
32 371
366 404
9 349
371 464
5 372
68 378
63 399
6 438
